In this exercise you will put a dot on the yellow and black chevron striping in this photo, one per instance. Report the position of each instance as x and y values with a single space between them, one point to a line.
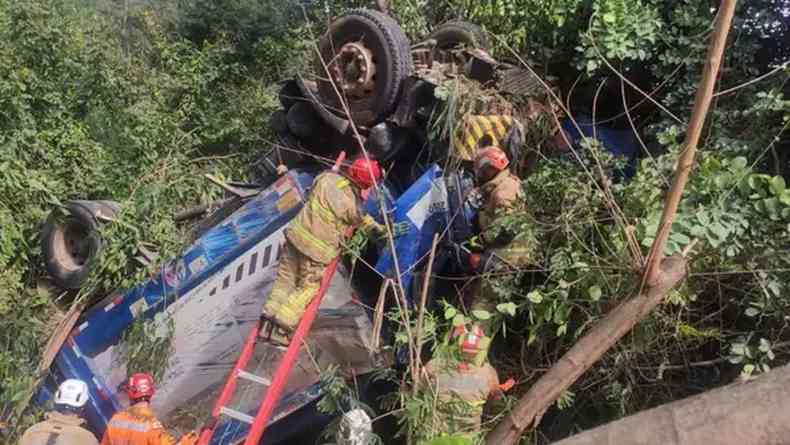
478 131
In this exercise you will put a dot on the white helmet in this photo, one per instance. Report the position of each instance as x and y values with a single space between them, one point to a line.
73 393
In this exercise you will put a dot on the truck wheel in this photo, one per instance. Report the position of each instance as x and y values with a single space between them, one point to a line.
302 120
70 245
279 122
289 94
460 33
457 34
367 56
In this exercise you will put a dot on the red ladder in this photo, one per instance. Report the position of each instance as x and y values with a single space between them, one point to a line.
275 387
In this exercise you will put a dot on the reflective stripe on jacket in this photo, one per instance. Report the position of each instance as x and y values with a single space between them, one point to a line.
58 429
136 426
320 228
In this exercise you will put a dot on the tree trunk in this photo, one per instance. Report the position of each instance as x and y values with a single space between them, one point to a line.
686 160
585 352
754 413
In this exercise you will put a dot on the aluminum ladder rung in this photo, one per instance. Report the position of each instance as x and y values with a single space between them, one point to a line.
242 374
238 415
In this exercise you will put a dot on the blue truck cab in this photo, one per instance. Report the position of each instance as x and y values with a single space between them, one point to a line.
211 297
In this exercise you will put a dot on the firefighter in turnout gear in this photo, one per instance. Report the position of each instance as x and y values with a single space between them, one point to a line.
502 196
313 239
138 425
63 425
463 382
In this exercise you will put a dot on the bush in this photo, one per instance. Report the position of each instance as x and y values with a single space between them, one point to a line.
86 118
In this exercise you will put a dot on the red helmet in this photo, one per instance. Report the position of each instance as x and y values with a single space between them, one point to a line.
491 157
470 339
141 385
364 172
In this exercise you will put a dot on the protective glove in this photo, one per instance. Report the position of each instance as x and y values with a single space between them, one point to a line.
398 229
508 385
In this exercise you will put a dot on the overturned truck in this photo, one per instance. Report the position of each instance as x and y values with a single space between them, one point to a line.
370 85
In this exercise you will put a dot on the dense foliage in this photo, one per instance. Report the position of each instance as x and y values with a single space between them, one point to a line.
84 117
136 100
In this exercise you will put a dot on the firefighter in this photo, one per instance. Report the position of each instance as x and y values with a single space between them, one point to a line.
501 250
138 425
63 425
313 239
463 381
502 196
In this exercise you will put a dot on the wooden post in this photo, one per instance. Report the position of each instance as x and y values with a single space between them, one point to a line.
660 275
423 301
686 161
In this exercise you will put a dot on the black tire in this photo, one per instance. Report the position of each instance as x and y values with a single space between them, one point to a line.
460 33
303 120
71 244
391 52
279 122
290 94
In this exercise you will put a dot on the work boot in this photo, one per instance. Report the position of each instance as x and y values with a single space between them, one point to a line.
274 333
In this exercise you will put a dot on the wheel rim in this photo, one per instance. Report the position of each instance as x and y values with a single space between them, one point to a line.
72 247
354 70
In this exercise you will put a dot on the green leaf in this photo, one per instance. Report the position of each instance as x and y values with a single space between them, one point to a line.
595 293
778 185
740 162
721 181
754 182
719 230
459 320
680 238
752 312
771 206
535 297
449 313
507 308
481 315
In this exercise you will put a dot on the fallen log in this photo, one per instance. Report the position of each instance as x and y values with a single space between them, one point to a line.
585 353
753 413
